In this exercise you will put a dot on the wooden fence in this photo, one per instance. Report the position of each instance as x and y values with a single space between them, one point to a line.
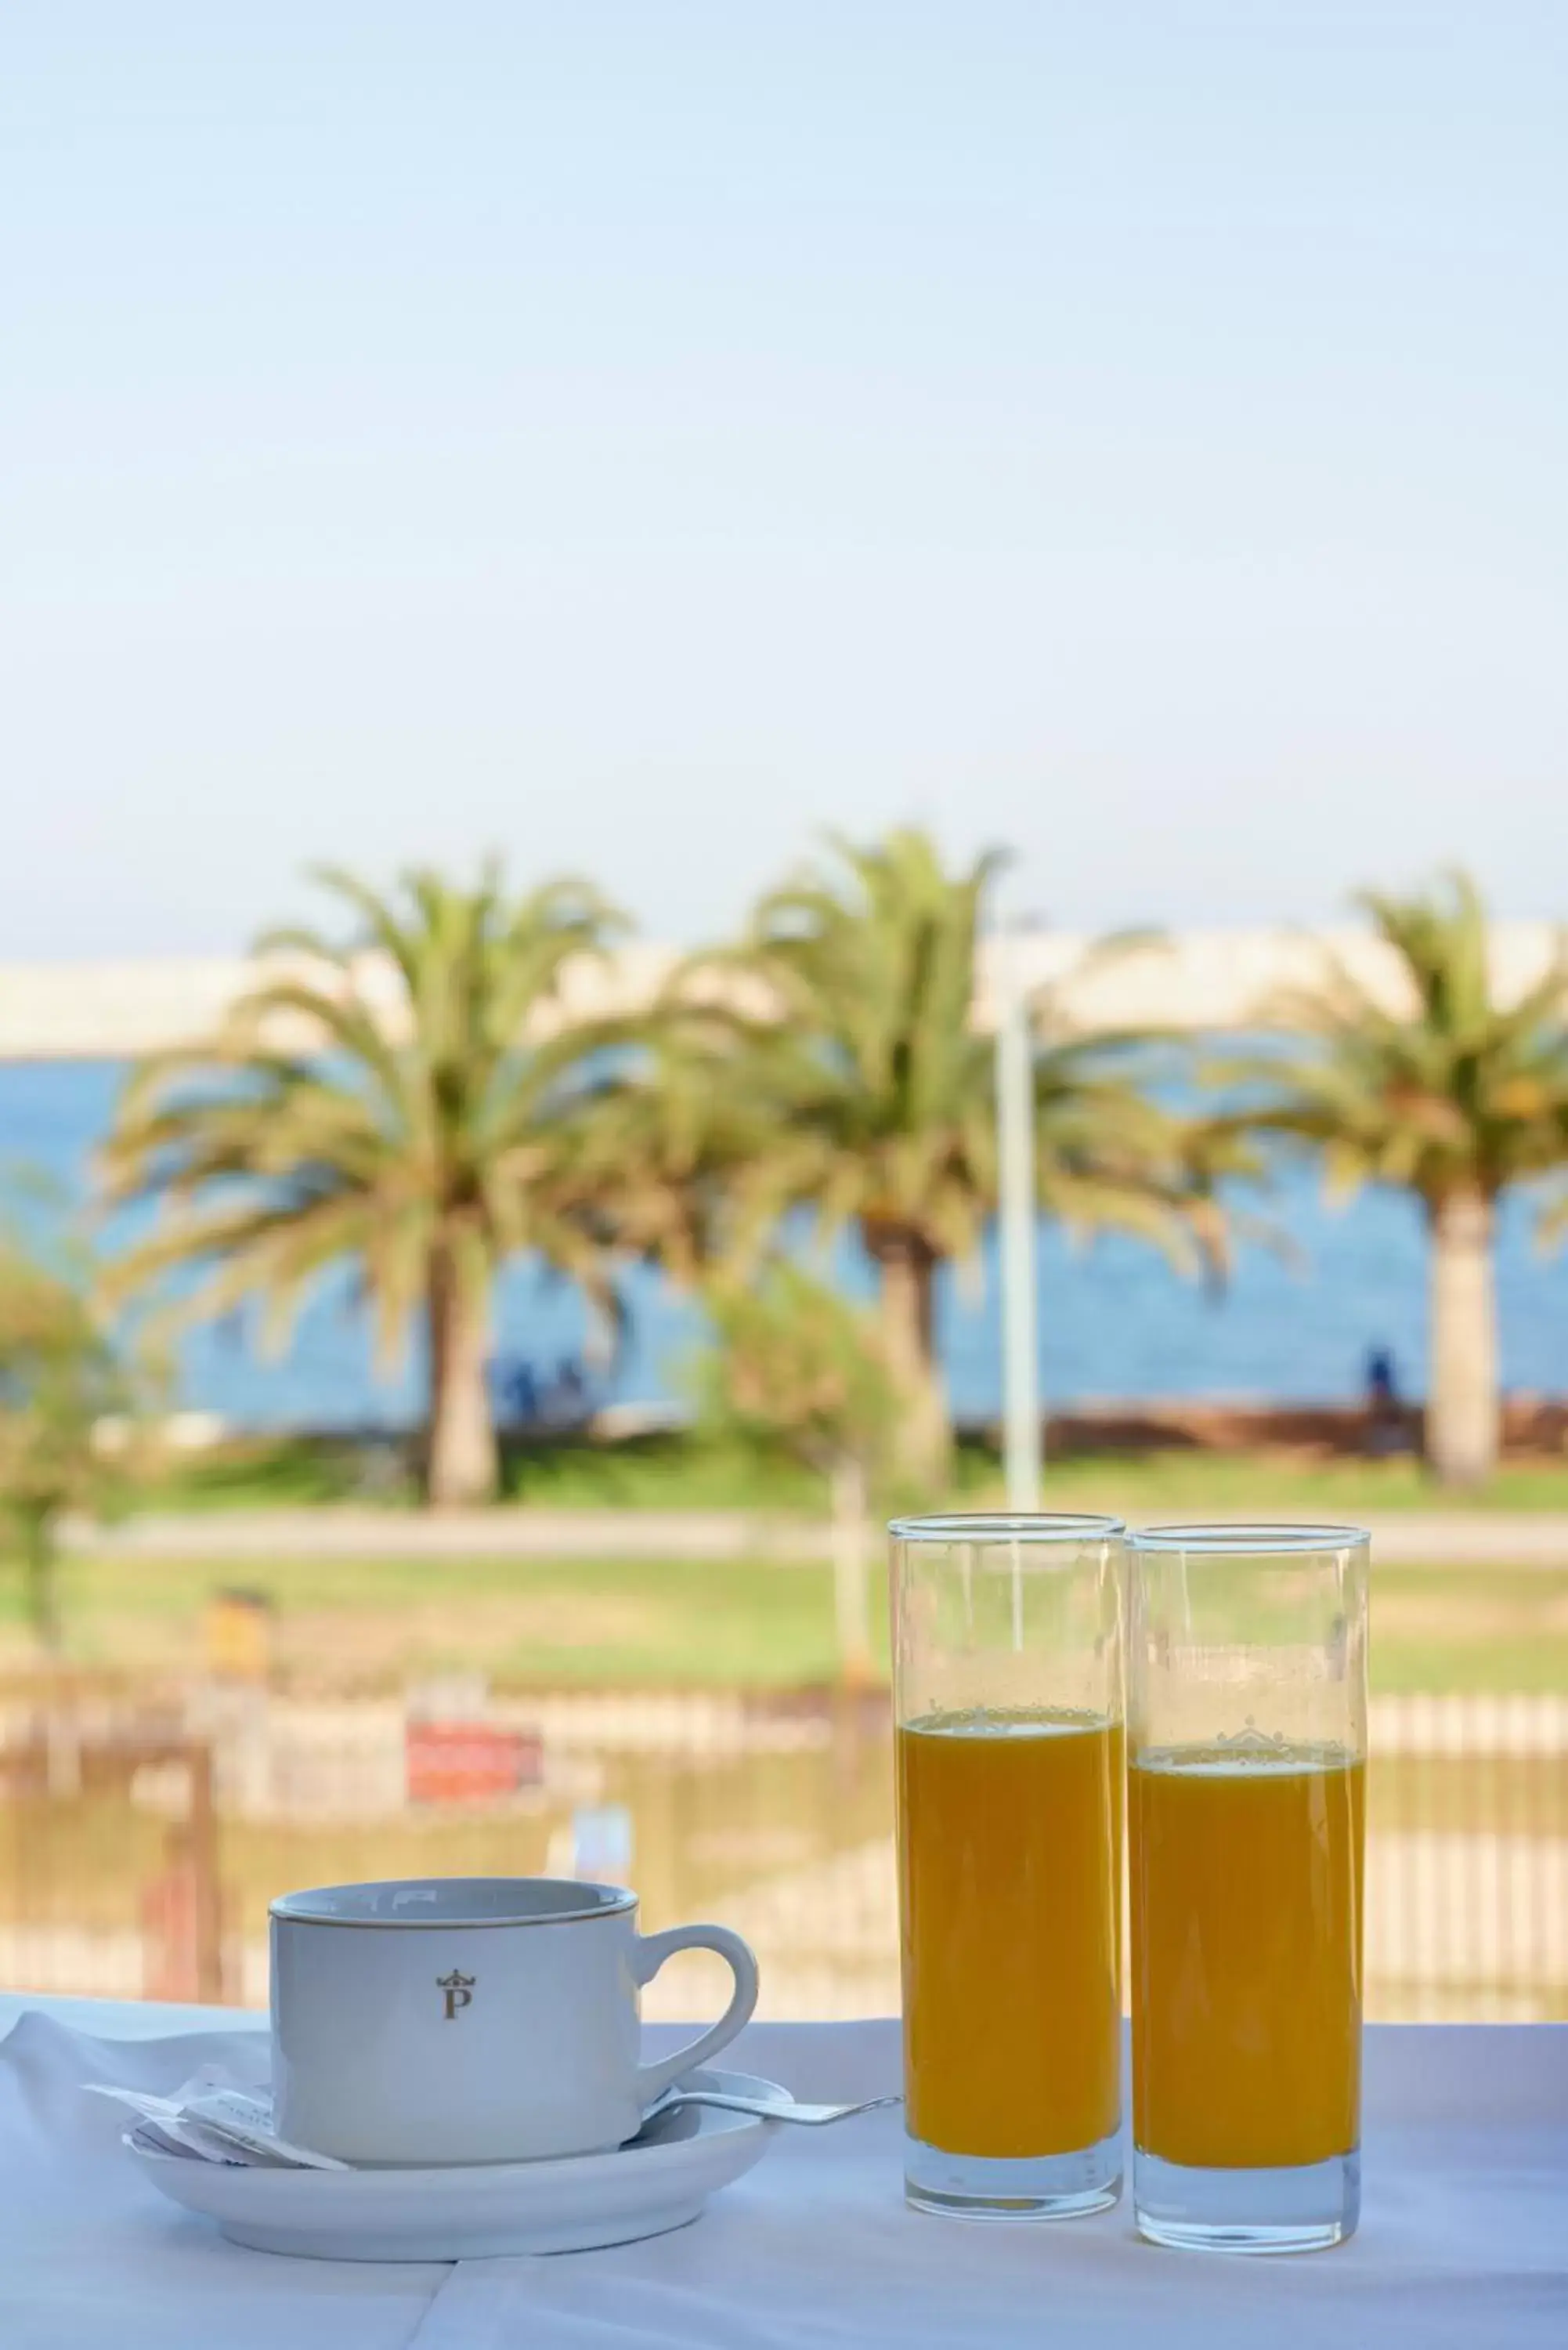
139 1840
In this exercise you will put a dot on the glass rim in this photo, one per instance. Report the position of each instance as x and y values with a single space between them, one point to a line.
1253 1538
1038 1526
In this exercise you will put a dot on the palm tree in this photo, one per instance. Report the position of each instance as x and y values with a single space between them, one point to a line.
1453 1095
411 1100
676 1127
874 1095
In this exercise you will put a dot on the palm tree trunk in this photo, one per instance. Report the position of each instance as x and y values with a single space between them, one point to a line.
851 1597
461 1461
1462 1409
907 1266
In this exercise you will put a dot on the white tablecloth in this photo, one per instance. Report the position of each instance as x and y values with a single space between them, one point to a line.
1464 2234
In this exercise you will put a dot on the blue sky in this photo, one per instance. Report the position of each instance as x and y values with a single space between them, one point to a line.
636 435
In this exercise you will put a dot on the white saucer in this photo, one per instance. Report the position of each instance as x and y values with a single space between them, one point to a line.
482 2210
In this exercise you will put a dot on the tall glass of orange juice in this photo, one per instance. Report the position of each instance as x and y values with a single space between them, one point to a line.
1246 1818
1007 1686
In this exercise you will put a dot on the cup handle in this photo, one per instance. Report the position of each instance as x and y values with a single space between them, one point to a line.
650 1952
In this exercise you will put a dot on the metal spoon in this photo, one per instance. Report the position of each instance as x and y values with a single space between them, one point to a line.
768 2109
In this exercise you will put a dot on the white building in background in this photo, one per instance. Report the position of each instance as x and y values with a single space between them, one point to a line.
1191 980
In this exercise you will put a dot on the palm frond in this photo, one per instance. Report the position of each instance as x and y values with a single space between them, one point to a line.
876 1092
1461 1093
448 1119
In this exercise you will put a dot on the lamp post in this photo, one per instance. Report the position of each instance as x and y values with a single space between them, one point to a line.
1017 1220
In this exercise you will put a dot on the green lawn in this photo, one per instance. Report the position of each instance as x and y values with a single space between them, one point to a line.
352 1621
1150 1485
691 1471
367 1622
1436 1628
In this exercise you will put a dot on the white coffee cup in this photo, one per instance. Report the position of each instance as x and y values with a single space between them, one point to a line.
473 2019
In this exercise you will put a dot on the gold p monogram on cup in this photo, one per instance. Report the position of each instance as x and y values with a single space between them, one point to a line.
459 1989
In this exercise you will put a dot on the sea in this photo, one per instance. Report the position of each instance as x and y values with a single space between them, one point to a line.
1306 1301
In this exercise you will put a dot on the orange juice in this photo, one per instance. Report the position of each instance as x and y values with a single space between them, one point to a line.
1246 1911
1011 1884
